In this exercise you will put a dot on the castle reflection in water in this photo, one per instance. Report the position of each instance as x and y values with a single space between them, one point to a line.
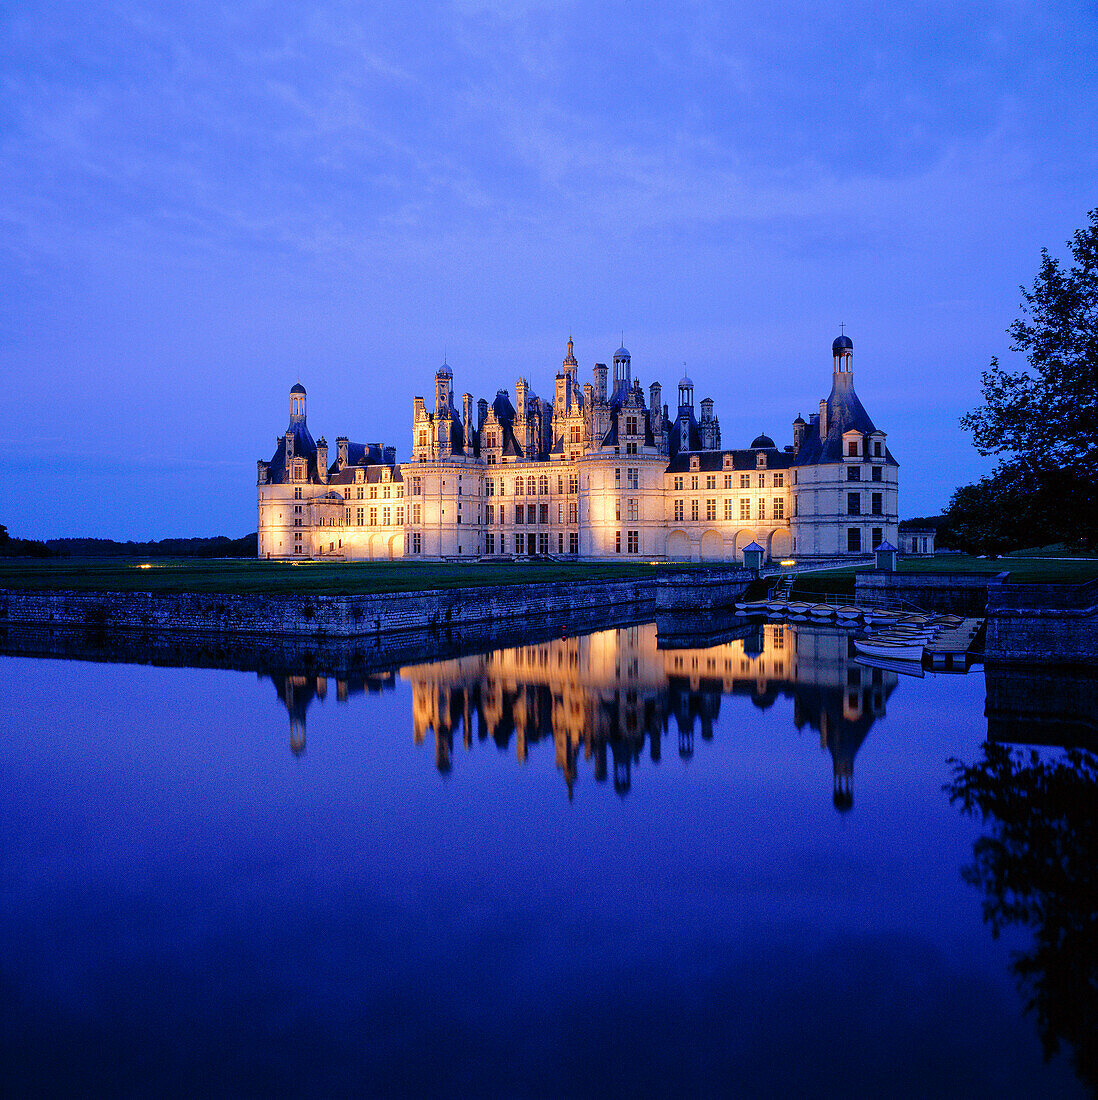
600 697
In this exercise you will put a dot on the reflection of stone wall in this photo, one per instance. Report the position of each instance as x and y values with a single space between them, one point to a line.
1043 623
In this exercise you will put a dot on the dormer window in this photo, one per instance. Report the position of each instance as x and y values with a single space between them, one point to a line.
694 464
727 462
760 460
299 472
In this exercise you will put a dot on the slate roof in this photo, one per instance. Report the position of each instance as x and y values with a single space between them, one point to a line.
742 459
844 414
304 447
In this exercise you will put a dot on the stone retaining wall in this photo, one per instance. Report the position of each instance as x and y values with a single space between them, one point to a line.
318 616
698 591
1042 623
959 593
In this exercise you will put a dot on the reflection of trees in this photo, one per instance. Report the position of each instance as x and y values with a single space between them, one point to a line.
1038 867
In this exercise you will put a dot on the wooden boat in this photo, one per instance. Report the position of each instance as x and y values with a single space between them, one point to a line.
822 611
798 607
890 650
751 607
777 605
849 613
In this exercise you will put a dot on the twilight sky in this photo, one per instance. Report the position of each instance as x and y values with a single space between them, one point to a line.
202 204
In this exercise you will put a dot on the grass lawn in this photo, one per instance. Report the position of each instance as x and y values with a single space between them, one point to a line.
1021 570
270 577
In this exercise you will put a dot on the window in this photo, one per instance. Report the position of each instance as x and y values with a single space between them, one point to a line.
632 478
349 518
490 487
853 540
762 481
573 483
853 504
617 542
745 481
876 473
617 478
361 516
678 511
728 511
853 473
852 448
710 509
694 509
502 543
779 480
543 484
694 481
710 481
531 486
417 486
520 514
489 513
373 517
297 493
745 508
573 512
543 542
423 437
490 543
416 514
543 514
502 519
560 511
399 492
728 481
617 508
678 485
875 506
387 491
779 507
633 545
297 509
560 542
762 507
417 543
632 510
400 516
519 486
386 515
877 448
573 543
630 425
360 493
373 492
878 537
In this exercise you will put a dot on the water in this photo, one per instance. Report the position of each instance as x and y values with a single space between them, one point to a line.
584 866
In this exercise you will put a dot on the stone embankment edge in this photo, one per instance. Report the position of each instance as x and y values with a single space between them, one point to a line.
318 616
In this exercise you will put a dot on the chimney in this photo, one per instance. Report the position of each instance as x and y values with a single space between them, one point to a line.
467 413
390 456
520 399
322 459
482 413
823 420
655 394
341 451
600 382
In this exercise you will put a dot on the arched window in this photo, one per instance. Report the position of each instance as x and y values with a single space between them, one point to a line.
531 486
518 486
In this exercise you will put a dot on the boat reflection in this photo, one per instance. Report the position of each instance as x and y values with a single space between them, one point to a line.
603 698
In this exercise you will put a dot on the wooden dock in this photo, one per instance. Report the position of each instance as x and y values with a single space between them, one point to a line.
950 650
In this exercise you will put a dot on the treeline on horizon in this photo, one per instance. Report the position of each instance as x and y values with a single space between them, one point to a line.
219 546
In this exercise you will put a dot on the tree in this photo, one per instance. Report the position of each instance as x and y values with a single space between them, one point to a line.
1044 418
1037 865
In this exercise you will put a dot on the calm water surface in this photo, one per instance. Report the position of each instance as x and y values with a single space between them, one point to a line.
588 866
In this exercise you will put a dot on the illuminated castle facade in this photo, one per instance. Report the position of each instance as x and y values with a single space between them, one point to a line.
597 472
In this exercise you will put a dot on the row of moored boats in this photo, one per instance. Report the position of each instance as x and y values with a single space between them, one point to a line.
891 635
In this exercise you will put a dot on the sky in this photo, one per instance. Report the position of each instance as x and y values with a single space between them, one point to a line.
202 204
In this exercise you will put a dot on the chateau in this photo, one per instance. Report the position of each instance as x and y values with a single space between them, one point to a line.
595 472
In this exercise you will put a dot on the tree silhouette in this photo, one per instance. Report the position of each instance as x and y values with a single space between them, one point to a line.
1038 867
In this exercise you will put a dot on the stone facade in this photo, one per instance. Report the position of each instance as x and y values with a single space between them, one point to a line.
599 472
